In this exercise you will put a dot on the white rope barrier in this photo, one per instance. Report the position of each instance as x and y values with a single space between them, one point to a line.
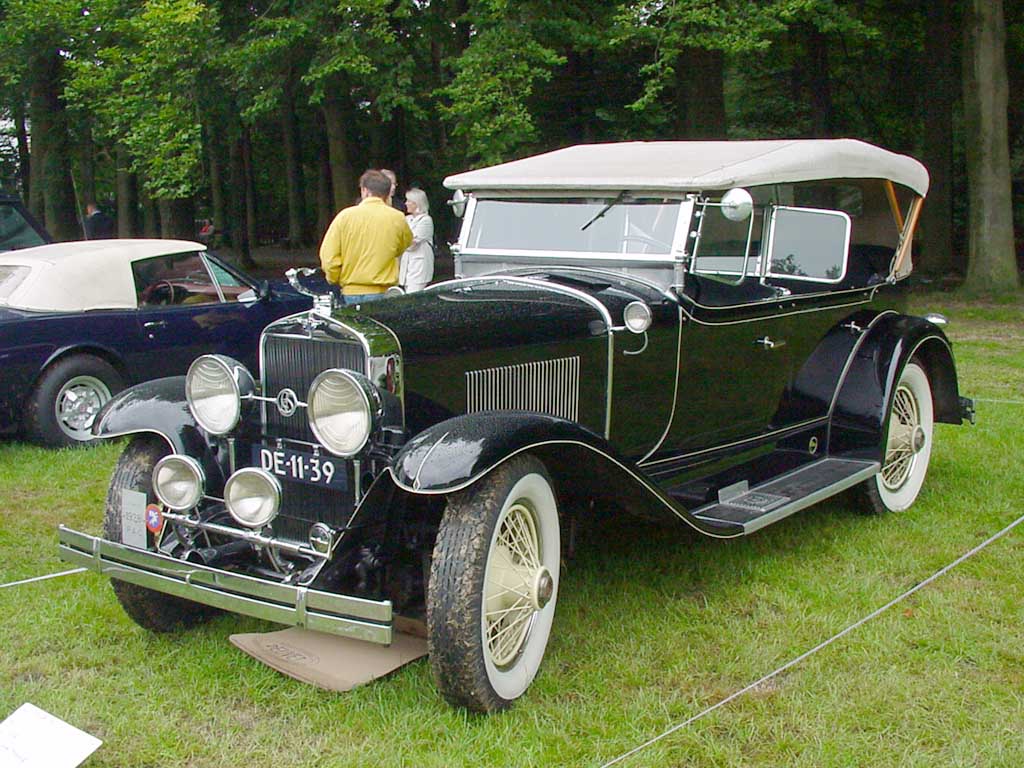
42 578
820 646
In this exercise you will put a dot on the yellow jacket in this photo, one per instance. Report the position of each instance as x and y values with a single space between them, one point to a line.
362 246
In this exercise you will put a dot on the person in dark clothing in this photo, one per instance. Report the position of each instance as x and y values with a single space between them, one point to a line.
98 225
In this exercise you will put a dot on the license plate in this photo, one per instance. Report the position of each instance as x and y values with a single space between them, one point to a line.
302 467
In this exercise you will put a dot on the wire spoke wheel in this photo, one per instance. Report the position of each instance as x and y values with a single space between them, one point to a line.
908 444
493 586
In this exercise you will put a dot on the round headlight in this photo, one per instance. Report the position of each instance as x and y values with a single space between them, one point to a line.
341 411
253 497
214 387
178 482
637 316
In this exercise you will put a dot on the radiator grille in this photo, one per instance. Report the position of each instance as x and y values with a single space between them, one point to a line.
548 386
294 363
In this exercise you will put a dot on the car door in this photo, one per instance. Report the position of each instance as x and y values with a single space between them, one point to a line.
189 307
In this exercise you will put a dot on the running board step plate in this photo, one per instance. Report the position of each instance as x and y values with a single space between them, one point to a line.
767 503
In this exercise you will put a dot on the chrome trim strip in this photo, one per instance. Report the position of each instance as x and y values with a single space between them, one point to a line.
798 427
675 390
641 479
791 297
282 603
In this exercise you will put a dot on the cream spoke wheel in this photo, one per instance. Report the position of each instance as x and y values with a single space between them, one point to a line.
494 585
908 444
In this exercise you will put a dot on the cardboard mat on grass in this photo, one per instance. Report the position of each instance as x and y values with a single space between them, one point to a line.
328 661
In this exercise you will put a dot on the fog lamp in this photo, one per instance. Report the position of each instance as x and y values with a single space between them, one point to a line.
179 482
253 497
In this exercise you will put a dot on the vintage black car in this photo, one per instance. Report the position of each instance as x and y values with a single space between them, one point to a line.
710 333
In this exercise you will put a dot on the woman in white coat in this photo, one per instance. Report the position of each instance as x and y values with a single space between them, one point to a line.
417 265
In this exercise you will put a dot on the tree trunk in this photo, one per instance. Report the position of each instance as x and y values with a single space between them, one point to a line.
50 134
214 155
343 181
24 157
86 169
992 263
819 84
150 214
700 94
293 169
248 176
239 232
127 195
324 198
937 150
177 217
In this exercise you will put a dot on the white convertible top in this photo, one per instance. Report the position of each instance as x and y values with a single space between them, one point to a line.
83 275
696 165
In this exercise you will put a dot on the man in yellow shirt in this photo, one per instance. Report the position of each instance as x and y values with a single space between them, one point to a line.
361 248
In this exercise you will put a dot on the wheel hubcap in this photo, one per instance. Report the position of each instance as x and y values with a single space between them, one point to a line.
906 439
77 404
516 585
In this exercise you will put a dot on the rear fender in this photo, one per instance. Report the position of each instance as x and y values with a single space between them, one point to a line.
861 411
159 407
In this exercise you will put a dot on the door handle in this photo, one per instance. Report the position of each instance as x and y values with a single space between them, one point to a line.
769 343
153 324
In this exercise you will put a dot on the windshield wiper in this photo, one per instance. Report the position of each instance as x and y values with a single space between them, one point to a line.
603 211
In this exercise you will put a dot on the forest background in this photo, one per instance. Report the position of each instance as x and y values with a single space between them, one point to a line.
260 116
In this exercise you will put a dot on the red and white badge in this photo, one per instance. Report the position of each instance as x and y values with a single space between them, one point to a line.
154 519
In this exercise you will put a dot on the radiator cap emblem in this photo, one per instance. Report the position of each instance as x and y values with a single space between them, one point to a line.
287 402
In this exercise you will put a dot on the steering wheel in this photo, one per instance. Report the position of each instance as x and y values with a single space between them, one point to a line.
160 292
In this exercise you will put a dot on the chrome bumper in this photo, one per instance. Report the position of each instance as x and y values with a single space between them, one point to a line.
296 606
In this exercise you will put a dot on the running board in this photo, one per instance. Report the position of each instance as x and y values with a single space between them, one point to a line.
769 502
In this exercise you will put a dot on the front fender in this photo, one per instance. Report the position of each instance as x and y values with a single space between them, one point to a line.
861 412
454 453
159 407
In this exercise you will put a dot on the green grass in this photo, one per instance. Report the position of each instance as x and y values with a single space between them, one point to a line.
653 625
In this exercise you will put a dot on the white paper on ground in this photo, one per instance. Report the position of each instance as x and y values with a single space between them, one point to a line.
133 518
33 738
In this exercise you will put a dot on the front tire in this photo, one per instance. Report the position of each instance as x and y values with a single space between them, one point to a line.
149 609
908 445
70 394
494 586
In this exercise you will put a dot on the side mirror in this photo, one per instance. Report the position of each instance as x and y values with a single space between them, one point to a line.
737 204
458 203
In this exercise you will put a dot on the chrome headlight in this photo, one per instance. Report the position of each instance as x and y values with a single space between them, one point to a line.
178 482
253 497
342 411
215 386
637 316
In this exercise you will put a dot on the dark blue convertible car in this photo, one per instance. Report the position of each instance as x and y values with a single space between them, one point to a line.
79 321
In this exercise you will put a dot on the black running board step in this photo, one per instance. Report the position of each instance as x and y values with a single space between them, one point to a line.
754 508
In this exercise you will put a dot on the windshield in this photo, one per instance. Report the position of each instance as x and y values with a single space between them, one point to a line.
15 230
625 225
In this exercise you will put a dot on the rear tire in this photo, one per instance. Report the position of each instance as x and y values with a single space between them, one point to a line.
908 445
69 395
494 586
152 610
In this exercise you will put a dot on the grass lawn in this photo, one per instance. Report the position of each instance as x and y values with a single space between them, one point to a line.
653 625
